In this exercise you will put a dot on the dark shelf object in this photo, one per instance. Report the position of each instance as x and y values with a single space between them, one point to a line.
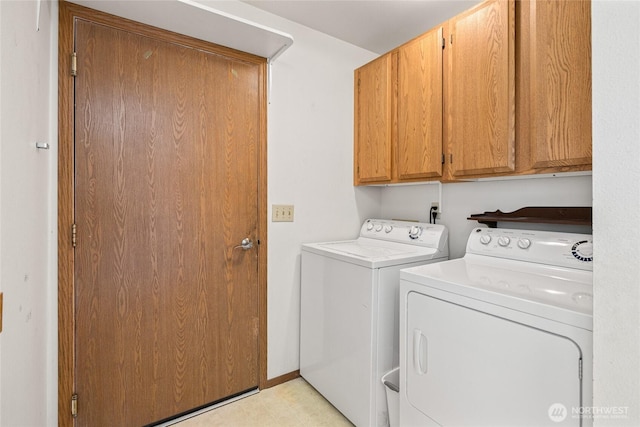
538 215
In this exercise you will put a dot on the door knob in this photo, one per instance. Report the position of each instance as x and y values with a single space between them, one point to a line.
246 244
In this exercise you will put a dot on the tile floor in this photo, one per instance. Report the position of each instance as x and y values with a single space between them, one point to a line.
292 404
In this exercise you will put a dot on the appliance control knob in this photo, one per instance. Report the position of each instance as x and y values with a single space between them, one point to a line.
524 243
504 241
485 239
388 228
583 251
370 226
379 227
414 232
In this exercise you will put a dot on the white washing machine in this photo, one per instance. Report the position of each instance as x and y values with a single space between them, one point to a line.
502 336
349 311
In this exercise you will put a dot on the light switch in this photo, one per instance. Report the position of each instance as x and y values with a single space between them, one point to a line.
282 213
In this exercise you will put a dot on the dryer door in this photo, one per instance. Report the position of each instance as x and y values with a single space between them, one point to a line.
467 367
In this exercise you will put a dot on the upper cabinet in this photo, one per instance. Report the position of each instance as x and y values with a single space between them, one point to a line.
419 104
554 102
374 120
399 114
481 90
501 89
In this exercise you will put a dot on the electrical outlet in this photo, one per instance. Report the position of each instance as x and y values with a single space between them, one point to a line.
282 213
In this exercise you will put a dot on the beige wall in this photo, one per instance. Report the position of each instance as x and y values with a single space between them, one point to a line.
28 378
616 201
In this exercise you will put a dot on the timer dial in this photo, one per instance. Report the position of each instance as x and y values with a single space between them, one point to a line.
583 250
415 232
504 241
524 243
485 239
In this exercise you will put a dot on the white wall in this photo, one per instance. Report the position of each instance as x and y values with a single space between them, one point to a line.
460 200
310 166
616 192
27 217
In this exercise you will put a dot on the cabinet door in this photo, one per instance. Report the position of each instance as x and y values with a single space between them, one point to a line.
373 121
560 82
481 90
419 147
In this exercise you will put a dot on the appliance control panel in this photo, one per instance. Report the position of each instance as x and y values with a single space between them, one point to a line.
570 250
414 233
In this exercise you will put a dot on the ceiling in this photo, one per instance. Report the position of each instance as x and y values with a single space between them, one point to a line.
374 25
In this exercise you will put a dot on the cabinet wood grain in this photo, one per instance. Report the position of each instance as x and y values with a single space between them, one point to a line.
419 147
555 120
481 90
373 130
510 94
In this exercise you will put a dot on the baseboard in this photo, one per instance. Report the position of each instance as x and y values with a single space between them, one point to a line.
282 379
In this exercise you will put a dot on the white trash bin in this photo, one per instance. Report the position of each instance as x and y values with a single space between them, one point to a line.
391 381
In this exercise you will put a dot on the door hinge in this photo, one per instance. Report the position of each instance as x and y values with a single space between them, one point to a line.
74 64
580 369
74 405
74 235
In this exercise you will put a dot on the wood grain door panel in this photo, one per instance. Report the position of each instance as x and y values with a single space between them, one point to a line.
374 121
166 185
482 90
419 151
560 58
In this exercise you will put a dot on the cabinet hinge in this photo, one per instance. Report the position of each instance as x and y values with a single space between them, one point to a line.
74 235
580 369
74 64
444 42
443 158
74 405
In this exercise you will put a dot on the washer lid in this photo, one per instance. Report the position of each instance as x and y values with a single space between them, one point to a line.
373 253
561 294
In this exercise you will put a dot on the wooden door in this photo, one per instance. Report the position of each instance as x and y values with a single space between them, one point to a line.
419 146
557 36
166 186
374 121
481 90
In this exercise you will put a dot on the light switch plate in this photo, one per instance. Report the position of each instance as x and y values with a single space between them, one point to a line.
282 213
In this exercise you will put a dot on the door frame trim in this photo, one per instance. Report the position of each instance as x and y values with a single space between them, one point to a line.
66 301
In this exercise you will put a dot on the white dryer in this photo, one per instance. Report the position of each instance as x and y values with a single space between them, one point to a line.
502 336
349 311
